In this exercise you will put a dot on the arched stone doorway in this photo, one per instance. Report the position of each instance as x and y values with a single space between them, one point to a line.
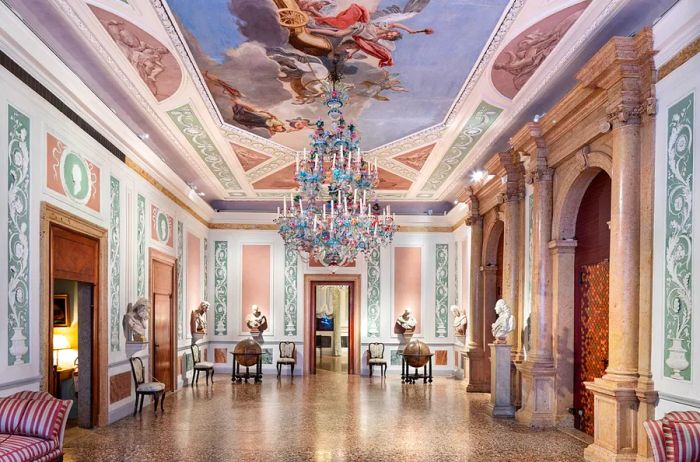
492 280
580 187
591 288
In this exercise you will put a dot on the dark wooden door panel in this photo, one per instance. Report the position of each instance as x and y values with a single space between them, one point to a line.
163 352
74 256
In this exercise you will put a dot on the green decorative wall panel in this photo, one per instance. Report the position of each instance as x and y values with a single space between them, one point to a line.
140 246
205 270
192 129
473 130
442 289
114 261
18 155
679 240
180 279
220 286
290 291
373 293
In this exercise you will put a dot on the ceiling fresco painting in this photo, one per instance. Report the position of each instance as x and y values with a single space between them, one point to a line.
154 63
264 61
521 57
415 159
248 158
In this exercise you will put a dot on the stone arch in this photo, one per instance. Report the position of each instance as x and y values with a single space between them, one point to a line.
493 228
570 184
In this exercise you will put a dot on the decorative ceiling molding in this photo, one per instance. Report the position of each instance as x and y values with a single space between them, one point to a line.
248 158
535 85
416 158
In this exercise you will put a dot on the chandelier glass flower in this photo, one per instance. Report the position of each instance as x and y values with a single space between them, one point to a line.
331 216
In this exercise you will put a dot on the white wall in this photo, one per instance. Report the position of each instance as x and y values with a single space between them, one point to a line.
676 194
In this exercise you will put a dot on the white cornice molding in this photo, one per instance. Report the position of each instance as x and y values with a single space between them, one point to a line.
676 29
29 52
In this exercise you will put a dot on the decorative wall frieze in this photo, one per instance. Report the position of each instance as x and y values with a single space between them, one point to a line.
140 246
18 188
114 262
180 279
442 289
220 287
205 270
291 263
373 293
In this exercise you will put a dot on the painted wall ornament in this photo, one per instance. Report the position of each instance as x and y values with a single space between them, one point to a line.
290 291
522 56
162 226
220 287
114 260
442 289
140 246
460 319
406 322
679 240
505 323
373 293
18 131
256 320
135 321
198 319
72 175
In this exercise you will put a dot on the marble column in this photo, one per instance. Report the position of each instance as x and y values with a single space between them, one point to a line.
537 372
477 370
615 394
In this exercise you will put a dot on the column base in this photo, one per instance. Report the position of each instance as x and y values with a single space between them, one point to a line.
615 412
478 373
501 411
538 398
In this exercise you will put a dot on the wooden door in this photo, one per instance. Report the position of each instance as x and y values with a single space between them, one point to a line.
162 298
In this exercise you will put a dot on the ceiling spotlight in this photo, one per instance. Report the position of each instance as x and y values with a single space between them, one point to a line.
478 176
193 193
144 136
538 117
455 202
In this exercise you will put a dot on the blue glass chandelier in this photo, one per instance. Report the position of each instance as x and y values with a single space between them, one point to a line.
331 216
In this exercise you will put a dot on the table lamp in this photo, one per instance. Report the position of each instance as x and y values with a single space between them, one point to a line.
60 342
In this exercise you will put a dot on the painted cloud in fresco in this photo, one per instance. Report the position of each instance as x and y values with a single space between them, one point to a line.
264 61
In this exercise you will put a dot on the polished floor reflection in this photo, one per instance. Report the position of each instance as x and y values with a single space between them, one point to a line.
326 417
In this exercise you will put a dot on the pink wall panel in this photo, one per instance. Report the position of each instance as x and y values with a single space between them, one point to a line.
407 282
194 273
255 288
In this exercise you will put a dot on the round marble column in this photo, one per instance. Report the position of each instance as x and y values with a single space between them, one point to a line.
511 266
478 371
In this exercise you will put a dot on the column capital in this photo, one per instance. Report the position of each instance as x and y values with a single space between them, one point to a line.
473 217
514 179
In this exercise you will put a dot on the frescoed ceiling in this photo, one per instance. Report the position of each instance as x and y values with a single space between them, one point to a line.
223 91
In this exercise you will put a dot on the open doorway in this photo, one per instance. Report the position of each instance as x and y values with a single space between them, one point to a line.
73 268
331 343
332 308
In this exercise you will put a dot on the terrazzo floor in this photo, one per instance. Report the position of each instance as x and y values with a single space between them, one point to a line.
326 417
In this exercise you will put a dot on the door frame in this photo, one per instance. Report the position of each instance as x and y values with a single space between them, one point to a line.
354 340
52 216
155 255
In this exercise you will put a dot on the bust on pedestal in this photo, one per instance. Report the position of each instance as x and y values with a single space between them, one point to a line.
198 321
404 326
256 321
500 404
135 325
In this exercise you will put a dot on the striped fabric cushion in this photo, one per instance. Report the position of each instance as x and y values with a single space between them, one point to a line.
683 416
44 418
16 448
655 432
26 394
11 412
53 455
682 441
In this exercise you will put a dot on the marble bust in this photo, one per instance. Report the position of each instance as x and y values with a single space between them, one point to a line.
504 325
256 320
198 319
406 322
135 321
460 321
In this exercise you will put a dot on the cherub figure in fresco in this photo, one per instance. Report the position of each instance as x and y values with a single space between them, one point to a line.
298 123
313 7
373 34
388 82
245 114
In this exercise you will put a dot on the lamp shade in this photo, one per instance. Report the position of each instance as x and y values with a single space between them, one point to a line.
60 342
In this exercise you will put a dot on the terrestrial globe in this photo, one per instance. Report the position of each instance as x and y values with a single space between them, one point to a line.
416 353
247 352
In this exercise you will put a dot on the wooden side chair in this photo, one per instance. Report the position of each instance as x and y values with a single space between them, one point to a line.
200 365
287 357
155 389
375 357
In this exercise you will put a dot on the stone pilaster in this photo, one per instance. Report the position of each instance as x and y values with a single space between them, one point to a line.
537 372
477 370
620 68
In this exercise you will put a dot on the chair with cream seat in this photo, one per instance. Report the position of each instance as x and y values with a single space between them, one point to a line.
375 357
143 388
287 357
200 365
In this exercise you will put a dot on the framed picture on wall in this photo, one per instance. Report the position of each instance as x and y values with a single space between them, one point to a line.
61 310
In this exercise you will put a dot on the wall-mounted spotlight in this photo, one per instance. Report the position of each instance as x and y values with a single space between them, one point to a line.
478 176
193 192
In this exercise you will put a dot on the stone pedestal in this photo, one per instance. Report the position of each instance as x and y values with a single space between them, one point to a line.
500 405
538 397
477 371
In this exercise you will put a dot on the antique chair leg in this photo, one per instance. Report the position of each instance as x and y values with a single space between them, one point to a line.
136 403
292 370
155 403
162 398
141 403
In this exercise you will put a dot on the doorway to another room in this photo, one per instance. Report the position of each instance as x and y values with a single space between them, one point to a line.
163 350
332 308
74 296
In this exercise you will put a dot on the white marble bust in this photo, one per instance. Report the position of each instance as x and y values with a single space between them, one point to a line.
504 325
198 319
135 321
406 321
460 321
256 320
